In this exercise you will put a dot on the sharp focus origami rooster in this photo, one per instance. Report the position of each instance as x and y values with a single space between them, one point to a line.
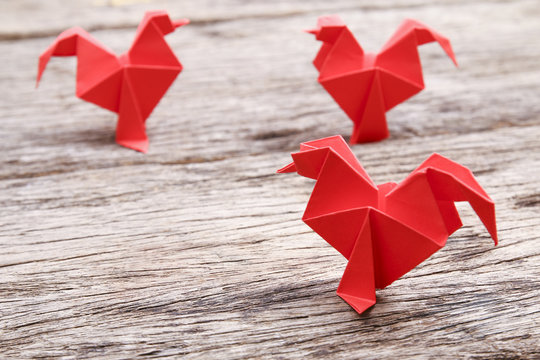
367 85
130 84
383 230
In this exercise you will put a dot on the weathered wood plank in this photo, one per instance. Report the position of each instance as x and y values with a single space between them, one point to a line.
197 248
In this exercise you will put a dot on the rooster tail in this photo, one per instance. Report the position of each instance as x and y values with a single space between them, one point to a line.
64 45
421 34
95 61
448 186
453 182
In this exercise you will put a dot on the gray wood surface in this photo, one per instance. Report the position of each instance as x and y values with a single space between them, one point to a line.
197 250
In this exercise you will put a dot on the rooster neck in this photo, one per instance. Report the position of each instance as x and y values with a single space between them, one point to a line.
368 60
123 59
384 189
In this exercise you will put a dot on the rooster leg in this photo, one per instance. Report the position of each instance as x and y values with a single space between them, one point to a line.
130 130
357 286
371 124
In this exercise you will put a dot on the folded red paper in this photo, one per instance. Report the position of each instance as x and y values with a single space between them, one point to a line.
383 230
131 84
367 85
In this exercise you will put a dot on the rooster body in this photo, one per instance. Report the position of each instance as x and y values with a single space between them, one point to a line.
383 230
131 84
367 85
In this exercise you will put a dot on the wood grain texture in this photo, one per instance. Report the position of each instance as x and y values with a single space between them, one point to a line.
197 250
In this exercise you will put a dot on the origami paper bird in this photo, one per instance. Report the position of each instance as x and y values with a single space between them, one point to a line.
131 84
383 230
367 85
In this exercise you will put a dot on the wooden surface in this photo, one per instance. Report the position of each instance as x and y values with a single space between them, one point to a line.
197 250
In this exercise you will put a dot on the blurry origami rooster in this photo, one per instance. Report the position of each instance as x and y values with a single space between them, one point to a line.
367 85
383 230
130 84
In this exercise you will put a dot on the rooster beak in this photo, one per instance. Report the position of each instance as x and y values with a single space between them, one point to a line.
287 169
180 22
312 31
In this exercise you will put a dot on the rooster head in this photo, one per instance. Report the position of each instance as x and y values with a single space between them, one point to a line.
328 28
309 160
162 20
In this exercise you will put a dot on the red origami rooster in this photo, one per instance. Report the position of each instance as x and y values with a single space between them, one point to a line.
383 230
367 85
130 84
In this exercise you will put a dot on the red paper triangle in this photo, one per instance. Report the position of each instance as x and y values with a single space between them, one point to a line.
397 250
94 64
339 229
149 85
371 124
106 93
399 89
350 91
